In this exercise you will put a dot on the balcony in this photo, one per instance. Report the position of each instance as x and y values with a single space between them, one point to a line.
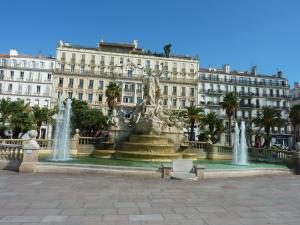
73 61
246 94
246 105
82 61
215 92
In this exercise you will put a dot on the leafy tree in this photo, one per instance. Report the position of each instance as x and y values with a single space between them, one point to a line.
42 115
167 50
21 120
215 126
230 105
88 120
113 94
268 118
193 115
294 116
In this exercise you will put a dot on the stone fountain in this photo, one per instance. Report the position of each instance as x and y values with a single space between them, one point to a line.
154 135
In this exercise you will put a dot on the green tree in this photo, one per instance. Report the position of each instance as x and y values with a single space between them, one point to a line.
268 118
167 50
294 116
193 115
42 115
215 126
113 94
5 114
230 105
21 120
88 120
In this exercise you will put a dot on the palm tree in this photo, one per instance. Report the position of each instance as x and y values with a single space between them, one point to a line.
193 114
113 94
215 126
167 50
294 116
5 110
230 105
42 115
268 118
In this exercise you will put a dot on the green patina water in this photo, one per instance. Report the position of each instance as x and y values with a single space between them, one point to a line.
209 164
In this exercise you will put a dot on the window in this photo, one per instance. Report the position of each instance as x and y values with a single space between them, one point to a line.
70 94
128 99
139 100
61 82
183 91
36 101
174 102
130 73
90 97
165 101
100 97
12 73
71 81
1 74
102 60
21 75
81 69
9 87
62 67
192 92
72 68
139 62
38 89
91 84
257 103
42 65
49 76
46 104
174 90
165 90
80 96
80 83
100 84
121 60
191 103
183 103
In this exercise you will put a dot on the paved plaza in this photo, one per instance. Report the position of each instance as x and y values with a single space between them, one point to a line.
86 199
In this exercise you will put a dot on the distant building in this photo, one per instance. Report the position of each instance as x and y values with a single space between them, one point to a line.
295 93
28 78
253 90
83 73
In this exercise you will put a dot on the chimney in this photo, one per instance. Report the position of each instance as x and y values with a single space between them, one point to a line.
279 74
13 52
253 70
296 85
135 43
226 68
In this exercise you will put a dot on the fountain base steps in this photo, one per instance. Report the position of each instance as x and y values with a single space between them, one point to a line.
151 148
104 154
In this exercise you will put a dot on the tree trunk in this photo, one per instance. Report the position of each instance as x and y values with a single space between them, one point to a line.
294 141
38 129
229 130
192 137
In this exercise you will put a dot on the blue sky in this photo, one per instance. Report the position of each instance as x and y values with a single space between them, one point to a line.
242 33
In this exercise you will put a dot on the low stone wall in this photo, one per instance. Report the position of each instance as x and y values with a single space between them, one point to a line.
11 156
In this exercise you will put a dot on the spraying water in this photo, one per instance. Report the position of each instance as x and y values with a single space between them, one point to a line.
236 144
240 148
243 146
61 144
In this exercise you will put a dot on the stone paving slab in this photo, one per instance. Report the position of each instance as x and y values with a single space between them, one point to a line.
45 199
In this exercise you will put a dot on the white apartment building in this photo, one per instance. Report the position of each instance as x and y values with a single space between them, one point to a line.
295 93
28 78
253 90
83 73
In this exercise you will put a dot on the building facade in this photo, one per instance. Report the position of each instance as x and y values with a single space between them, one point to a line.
84 73
253 90
295 94
28 78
